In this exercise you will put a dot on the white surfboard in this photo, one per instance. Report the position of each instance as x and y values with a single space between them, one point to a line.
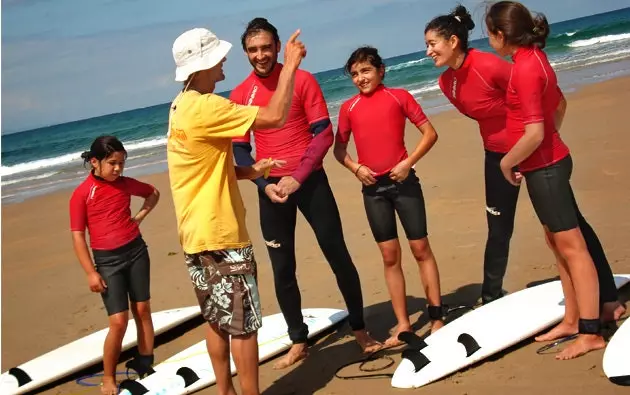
82 353
617 356
484 332
191 370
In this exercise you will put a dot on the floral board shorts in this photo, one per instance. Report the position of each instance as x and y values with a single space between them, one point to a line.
225 284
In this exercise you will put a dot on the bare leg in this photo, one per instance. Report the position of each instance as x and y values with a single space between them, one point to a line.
144 324
429 275
111 351
569 324
584 277
218 346
245 353
395 279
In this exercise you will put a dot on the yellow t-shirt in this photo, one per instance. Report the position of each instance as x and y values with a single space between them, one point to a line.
208 205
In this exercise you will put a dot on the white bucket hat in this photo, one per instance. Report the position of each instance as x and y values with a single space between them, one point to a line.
197 49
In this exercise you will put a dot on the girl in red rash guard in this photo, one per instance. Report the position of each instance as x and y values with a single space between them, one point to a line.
120 269
476 83
376 118
535 111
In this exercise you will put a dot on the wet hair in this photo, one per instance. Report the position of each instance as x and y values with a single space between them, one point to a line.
519 26
256 26
457 23
364 54
102 148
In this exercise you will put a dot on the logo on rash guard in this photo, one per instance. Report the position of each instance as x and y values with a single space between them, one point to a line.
252 95
454 88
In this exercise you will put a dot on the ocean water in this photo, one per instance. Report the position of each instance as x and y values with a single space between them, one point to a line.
43 160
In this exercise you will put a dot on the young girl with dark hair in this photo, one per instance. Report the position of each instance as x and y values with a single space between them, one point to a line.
476 83
376 118
121 268
535 110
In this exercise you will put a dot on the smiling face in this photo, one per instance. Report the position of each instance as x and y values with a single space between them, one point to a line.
262 51
443 51
366 77
111 167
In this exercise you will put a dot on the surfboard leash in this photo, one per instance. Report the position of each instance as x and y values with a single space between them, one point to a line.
370 358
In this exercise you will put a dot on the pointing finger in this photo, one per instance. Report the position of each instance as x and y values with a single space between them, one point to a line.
294 36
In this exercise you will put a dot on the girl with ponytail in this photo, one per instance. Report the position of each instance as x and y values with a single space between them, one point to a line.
478 84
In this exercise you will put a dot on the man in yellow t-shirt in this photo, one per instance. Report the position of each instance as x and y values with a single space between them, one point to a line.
208 205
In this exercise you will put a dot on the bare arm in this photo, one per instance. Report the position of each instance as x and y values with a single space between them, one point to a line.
275 114
428 140
82 252
258 169
400 172
149 204
362 172
560 112
533 137
341 154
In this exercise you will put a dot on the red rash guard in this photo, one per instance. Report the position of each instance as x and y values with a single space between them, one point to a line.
477 90
295 141
104 208
533 96
377 122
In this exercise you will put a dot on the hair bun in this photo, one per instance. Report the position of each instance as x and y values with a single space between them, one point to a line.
463 16
85 155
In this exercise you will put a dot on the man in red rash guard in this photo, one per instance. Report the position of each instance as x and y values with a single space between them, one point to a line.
300 184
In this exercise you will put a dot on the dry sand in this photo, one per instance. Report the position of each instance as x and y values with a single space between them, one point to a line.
46 302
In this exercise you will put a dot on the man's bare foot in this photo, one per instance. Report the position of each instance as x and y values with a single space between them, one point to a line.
296 353
612 311
582 345
108 386
393 339
561 330
435 325
367 343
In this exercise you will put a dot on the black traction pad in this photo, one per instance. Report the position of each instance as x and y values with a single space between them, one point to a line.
469 343
21 376
418 359
620 380
133 386
413 341
188 375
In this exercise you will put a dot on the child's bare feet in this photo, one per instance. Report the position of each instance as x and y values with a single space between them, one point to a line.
108 386
296 353
393 339
367 343
612 311
583 344
561 330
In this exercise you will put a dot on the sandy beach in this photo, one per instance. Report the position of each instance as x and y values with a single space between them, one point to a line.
46 302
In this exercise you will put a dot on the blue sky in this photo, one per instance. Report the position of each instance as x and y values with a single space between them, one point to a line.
64 60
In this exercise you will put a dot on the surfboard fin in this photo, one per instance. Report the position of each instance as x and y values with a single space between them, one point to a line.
188 375
134 387
469 343
418 359
21 376
413 341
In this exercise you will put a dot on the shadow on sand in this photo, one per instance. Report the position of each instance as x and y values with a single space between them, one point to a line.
336 347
